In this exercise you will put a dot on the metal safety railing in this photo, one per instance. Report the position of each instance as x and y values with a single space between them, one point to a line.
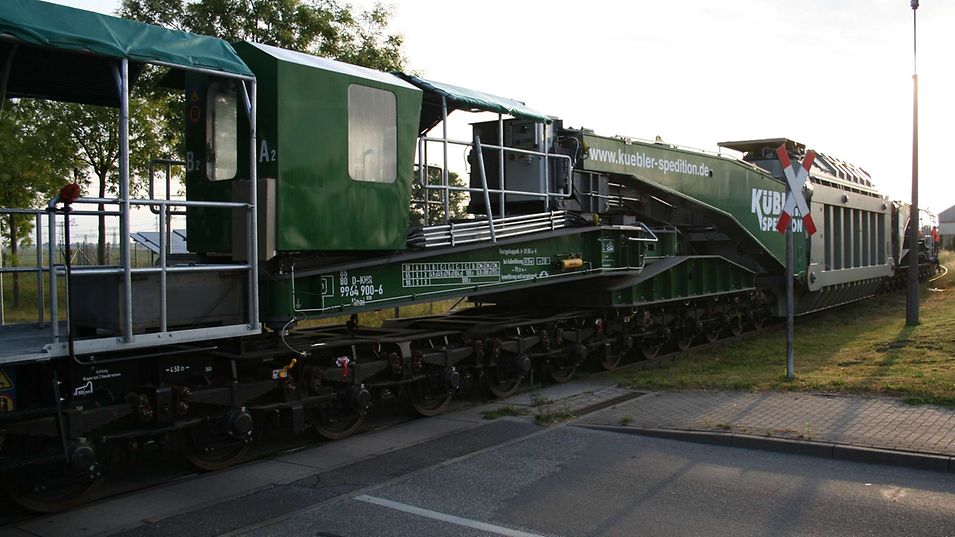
50 269
446 189
12 346
163 268
167 164
39 269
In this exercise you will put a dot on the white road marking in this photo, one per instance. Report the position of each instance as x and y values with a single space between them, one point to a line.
466 522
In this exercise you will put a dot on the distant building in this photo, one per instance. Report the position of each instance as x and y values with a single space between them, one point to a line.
946 227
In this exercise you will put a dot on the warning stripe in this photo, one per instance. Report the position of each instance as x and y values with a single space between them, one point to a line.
783 156
5 382
794 182
783 222
807 218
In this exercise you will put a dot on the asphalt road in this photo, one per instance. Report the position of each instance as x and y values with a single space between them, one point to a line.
514 479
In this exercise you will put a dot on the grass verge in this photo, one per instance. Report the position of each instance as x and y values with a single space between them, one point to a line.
549 412
862 348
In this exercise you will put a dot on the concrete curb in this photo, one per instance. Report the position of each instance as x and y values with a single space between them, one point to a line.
824 450
590 408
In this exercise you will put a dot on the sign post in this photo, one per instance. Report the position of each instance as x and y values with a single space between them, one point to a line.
794 201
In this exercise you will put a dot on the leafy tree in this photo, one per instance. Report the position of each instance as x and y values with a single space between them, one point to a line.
326 28
36 159
94 133
457 200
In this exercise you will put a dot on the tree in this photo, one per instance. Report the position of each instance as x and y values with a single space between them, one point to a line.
36 159
457 200
94 133
326 28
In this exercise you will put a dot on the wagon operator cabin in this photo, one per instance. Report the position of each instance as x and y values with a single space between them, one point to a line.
335 150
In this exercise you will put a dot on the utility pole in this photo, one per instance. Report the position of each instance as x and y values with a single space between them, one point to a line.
795 182
912 297
790 321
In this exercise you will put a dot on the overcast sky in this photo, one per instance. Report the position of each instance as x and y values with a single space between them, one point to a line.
833 74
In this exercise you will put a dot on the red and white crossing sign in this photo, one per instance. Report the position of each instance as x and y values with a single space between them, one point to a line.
794 198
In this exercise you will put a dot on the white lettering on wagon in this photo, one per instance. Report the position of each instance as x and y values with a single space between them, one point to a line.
767 205
450 273
359 289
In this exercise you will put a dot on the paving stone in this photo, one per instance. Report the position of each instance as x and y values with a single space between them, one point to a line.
883 422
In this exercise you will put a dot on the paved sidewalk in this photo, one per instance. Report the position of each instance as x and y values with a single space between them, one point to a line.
882 423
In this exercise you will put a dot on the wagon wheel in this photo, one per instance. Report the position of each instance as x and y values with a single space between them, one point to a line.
214 446
50 489
611 355
736 323
758 317
610 360
56 487
650 347
683 333
504 377
429 398
561 370
501 387
336 423
499 382
712 329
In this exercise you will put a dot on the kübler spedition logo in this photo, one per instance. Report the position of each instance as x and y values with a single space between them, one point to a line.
767 205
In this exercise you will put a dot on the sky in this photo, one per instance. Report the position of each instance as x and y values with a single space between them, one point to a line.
835 75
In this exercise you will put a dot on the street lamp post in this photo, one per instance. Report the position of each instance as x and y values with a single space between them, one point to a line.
912 297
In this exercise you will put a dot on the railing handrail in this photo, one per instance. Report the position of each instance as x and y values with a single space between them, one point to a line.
505 149
38 269
478 147
50 249
168 203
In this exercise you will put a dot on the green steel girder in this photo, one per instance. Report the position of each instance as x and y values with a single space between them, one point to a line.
684 277
669 279
748 197
430 275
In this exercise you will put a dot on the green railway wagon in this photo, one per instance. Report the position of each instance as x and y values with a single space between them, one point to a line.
747 198
335 149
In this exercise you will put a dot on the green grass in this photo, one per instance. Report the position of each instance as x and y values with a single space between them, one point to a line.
26 311
549 412
862 348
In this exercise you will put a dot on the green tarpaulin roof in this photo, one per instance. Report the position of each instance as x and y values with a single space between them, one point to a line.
64 53
459 98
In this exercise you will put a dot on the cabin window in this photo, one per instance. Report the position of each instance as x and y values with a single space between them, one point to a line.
221 131
372 134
